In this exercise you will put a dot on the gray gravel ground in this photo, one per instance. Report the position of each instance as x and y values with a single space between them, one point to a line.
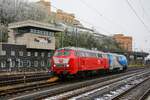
136 93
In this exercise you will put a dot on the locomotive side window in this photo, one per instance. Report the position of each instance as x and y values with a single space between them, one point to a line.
86 54
79 54
99 55
104 55
93 54
82 54
76 53
90 54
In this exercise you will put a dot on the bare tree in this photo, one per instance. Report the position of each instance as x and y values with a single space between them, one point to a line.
3 33
18 10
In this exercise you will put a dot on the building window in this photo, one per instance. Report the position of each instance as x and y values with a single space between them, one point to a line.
42 63
42 54
28 63
12 53
3 53
20 53
31 30
28 53
12 64
21 63
49 54
3 64
41 32
36 54
35 63
17 62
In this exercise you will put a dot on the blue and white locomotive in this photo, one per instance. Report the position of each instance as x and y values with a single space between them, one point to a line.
117 62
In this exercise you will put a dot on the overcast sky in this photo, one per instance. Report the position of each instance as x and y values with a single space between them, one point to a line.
113 16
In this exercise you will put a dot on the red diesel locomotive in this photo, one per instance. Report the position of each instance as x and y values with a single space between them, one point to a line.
71 60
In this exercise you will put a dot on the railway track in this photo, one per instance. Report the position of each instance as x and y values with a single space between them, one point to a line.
16 83
22 78
104 90
65 87
18 78
14 89
15 75
138 91
146 95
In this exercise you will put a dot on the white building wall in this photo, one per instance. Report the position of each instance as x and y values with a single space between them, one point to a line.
29 40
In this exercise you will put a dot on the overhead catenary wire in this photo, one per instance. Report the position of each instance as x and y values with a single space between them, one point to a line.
85 21
94 25
146 27
139 17
145 12
102 15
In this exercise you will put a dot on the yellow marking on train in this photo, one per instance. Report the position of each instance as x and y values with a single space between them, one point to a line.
52 79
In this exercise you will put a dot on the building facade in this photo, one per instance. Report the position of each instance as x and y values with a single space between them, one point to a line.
46 4
124 41
12 56
67 18
59 15
30 46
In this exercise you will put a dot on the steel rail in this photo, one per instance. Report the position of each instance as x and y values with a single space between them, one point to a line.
58 90
145 95
128 90
102 86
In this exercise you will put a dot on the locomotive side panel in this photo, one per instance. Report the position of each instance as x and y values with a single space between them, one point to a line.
71 61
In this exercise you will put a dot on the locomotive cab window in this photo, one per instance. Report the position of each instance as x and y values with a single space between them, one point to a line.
62 53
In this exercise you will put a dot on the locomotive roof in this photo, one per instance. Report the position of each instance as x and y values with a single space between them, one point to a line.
80 49
115 54
87 50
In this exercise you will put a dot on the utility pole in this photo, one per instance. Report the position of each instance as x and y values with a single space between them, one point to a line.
1 41
61 39
76 35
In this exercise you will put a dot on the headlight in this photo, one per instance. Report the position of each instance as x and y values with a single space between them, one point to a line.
67 65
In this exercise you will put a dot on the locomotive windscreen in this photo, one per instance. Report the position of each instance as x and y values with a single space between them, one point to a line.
62 53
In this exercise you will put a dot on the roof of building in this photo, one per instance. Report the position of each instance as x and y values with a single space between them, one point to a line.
35 24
